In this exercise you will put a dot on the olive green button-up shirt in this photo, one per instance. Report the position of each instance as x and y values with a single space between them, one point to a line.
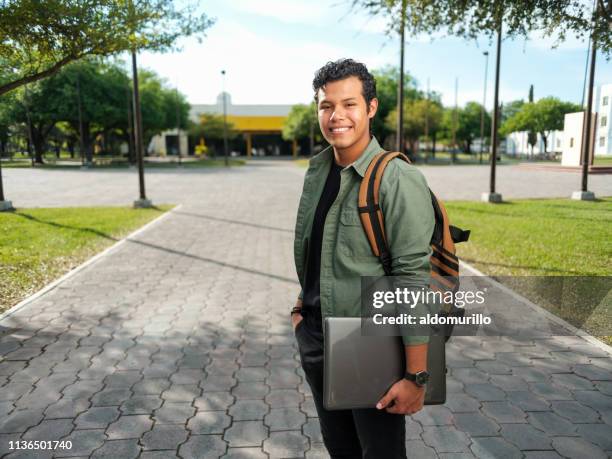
345 252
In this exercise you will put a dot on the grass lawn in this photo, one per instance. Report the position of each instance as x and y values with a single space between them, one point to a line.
40 245
545 237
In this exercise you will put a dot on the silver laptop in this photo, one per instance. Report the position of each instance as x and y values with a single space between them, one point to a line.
359 369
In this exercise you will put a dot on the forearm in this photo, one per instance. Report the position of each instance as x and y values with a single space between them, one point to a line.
416 358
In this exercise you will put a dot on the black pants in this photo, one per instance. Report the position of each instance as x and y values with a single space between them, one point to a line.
355 434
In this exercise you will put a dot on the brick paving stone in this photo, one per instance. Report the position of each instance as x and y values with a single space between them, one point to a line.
594 399
475 424
67 408
286 444
413 429
470 375
245 453
417 448
252 374
248 410
435 415
531 374
209 422
446 439
551 423
151 386
203 446
246 433
599 434
164 436
278 398
214 401
575 411
503 412
527 401
53 429
20 420
129 427
173 412
97 417
494 448
317 451
509 383
572 381
184 393
84 442
284 419
5 442
308 407
250 390
493 367
165 454
312 429
124 449
140 404
462 403
542 455
110 397
525 437
577 448
485 392
592 372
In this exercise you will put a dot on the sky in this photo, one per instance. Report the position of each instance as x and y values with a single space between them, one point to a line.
270 50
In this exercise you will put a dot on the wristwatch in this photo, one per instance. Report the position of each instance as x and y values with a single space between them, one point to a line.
420 378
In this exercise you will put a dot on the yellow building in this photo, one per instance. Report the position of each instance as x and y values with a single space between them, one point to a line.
259 127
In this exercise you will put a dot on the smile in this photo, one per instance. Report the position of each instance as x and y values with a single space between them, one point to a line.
339 130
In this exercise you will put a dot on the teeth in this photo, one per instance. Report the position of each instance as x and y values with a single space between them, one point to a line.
341 129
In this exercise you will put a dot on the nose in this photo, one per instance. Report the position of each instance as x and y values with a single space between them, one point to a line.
337 113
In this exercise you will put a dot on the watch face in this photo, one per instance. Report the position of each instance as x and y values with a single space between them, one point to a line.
421 378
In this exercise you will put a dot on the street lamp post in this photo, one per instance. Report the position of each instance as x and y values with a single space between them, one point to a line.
142 201
492 196
484 104
178 128
400 86
225 145
4 204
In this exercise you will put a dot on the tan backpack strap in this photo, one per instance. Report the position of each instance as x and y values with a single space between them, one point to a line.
370 211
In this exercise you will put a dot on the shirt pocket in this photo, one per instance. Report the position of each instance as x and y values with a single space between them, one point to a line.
352 239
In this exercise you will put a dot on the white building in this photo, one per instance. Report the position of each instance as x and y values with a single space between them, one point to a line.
603 107
517 143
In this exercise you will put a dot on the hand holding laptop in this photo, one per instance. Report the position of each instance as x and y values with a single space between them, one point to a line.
404 397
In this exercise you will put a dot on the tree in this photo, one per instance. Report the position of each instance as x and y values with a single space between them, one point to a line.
386 89
302 123
416 114
468 124
38 38
543 116
211 127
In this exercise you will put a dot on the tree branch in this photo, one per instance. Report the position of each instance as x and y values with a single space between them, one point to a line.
38 76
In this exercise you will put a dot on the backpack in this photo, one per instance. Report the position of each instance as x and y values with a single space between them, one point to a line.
444 262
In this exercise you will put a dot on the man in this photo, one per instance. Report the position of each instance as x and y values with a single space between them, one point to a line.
332 252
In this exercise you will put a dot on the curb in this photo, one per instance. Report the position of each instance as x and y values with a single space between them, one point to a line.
549 315
85 264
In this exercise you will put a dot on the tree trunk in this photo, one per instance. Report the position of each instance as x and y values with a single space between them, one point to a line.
70 145
545 140
433 145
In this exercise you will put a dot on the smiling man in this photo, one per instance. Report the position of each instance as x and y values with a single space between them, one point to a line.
332 252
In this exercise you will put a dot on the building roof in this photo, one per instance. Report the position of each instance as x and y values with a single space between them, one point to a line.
248 110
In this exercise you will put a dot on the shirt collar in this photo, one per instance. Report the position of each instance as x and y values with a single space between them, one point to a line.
360 164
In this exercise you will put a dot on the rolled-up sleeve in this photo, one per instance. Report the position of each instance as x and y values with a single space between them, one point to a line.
409 224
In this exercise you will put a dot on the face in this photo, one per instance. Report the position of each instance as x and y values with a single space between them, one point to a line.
344 117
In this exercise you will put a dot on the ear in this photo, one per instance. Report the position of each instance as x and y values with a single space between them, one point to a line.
372 108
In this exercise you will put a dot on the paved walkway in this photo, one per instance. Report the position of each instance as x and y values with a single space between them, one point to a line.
178 344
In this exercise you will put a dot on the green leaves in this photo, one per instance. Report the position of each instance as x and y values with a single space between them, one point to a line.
38 38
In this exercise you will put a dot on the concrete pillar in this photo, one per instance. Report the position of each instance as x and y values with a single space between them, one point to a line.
249 144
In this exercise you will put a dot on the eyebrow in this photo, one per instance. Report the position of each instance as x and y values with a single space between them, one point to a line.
343 100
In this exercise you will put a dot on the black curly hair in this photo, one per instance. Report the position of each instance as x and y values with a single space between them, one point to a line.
341 69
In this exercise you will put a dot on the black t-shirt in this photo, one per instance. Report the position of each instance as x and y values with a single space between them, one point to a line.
311 302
